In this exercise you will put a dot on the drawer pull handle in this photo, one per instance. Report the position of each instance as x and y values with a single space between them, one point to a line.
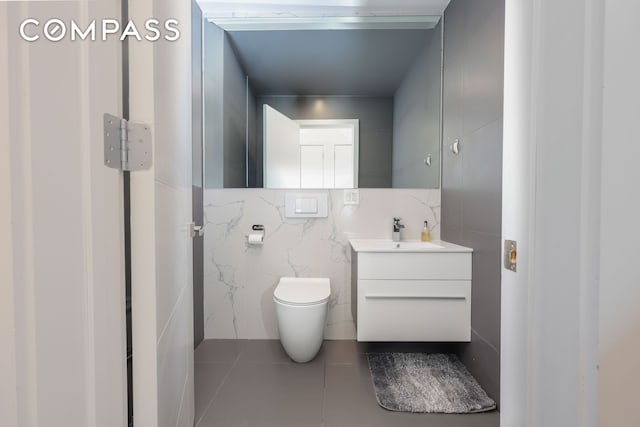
415 297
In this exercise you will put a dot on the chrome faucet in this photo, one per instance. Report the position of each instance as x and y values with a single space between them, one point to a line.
396 229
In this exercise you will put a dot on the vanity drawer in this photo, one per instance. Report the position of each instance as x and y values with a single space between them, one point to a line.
414 266
414 310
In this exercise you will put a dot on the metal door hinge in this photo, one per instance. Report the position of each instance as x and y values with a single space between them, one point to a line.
127 146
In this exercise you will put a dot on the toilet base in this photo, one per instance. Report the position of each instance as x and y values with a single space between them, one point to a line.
301 329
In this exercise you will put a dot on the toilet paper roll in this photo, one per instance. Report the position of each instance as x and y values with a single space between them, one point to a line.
256 239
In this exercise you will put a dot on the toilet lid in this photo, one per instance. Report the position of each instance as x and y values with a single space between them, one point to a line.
302 290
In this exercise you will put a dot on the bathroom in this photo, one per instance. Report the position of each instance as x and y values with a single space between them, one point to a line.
395 109
559 349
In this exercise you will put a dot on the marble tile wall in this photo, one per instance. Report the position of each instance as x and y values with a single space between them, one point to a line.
240 279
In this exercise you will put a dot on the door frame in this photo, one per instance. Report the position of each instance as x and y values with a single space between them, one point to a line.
551 201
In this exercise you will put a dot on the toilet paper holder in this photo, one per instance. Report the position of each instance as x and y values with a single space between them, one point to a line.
256 236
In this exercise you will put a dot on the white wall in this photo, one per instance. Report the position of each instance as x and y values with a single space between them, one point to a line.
61 219
239 280
619 321
161 245
8 397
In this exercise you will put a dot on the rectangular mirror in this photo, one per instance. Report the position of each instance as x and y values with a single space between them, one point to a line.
322 102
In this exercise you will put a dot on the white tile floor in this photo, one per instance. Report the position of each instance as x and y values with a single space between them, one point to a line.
247 383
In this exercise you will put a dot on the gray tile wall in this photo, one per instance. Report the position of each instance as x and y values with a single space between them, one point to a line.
225 112
234 119
197 176
212 84
252 117
416 119
472 180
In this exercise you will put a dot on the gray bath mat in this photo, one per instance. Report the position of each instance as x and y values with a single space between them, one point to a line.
418 382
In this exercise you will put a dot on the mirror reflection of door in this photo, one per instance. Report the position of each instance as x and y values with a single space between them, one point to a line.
309 153
281 150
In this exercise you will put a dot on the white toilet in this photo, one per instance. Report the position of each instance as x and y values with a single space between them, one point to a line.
301 309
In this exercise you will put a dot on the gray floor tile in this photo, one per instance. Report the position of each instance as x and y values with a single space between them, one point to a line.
244 421
271 351
264 388
340 351
215 420
264 351
488 419
349 399
226 351
208 377
257 394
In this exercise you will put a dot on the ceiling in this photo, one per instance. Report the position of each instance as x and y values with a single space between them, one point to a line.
327 62
344 62
321 7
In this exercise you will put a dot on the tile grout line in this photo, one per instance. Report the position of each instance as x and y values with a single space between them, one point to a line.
215 394
324 392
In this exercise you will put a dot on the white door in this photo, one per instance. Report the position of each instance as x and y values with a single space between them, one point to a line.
281 150
312 170
62 358
328 153
161 245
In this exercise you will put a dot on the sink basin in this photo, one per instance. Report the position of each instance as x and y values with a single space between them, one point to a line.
383 245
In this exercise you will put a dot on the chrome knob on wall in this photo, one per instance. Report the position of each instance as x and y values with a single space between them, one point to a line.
427 160
455 147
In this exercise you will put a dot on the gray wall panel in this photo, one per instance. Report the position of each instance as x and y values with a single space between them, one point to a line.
213 93
197 177
480 358
485 295
482 179
253 135
234 119
452 76
484 60
472 180
416 120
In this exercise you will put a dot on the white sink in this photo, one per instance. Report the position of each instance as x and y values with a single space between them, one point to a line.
383 245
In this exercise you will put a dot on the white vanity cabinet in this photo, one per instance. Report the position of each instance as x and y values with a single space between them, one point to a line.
412 293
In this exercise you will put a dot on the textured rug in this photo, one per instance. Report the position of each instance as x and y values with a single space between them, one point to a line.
418 382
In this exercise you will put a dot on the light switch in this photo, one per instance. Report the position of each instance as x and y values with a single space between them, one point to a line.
351 196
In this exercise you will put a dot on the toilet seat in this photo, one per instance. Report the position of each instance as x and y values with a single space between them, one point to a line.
302 291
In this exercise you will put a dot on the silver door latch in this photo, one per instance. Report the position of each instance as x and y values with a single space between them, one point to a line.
196 230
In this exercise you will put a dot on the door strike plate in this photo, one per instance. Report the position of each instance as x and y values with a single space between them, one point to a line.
510 255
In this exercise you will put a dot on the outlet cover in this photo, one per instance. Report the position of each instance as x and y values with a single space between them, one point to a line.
351 196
